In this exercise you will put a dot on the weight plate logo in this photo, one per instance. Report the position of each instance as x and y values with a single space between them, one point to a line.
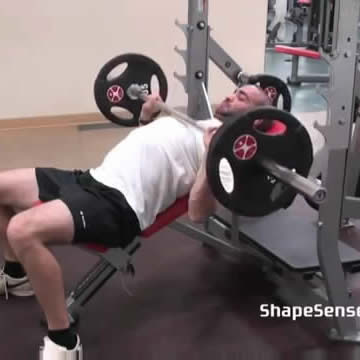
115 94
245 147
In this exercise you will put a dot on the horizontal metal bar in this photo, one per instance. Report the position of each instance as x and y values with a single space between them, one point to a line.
271 47
351 207
206 238
217 230
136 92
313 78
301 184
221 229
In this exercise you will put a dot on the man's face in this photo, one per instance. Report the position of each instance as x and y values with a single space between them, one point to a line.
241 100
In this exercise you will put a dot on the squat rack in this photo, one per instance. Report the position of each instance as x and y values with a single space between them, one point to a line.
325 259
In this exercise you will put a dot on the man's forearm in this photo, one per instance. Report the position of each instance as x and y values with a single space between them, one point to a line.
201 201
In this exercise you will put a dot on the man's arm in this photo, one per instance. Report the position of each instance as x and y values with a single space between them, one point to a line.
150 109
202 202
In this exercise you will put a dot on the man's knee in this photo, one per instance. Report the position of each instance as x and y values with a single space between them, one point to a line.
22 233
5 187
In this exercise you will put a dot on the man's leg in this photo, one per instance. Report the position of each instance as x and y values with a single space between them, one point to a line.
28 233
5 215
24 230
18 191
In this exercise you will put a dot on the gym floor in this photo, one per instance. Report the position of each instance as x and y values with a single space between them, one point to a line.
188 302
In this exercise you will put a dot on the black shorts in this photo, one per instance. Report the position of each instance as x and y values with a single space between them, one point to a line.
101 214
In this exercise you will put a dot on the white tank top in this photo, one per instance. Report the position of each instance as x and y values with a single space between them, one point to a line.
154 165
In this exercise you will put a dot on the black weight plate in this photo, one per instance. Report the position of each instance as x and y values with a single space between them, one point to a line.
255 193
111 93
274 87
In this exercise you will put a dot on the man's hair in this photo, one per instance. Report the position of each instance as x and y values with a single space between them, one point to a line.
264 125
263 99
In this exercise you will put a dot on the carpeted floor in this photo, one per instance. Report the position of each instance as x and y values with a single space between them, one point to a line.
187 303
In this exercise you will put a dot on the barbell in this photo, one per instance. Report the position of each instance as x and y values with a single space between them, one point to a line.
250 154
268 169
123 70
116 76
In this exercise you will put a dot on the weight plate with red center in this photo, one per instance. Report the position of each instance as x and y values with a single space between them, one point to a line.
242 144
111 92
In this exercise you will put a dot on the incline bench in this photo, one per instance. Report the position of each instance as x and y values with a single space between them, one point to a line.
116 259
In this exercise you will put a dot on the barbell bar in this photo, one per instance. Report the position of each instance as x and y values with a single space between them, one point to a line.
136 92
303 185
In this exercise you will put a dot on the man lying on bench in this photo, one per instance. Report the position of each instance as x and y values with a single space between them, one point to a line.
110 204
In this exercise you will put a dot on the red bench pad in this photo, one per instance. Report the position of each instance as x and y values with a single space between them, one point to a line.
298 51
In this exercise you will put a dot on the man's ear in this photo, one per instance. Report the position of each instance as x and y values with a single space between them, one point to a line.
271 93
